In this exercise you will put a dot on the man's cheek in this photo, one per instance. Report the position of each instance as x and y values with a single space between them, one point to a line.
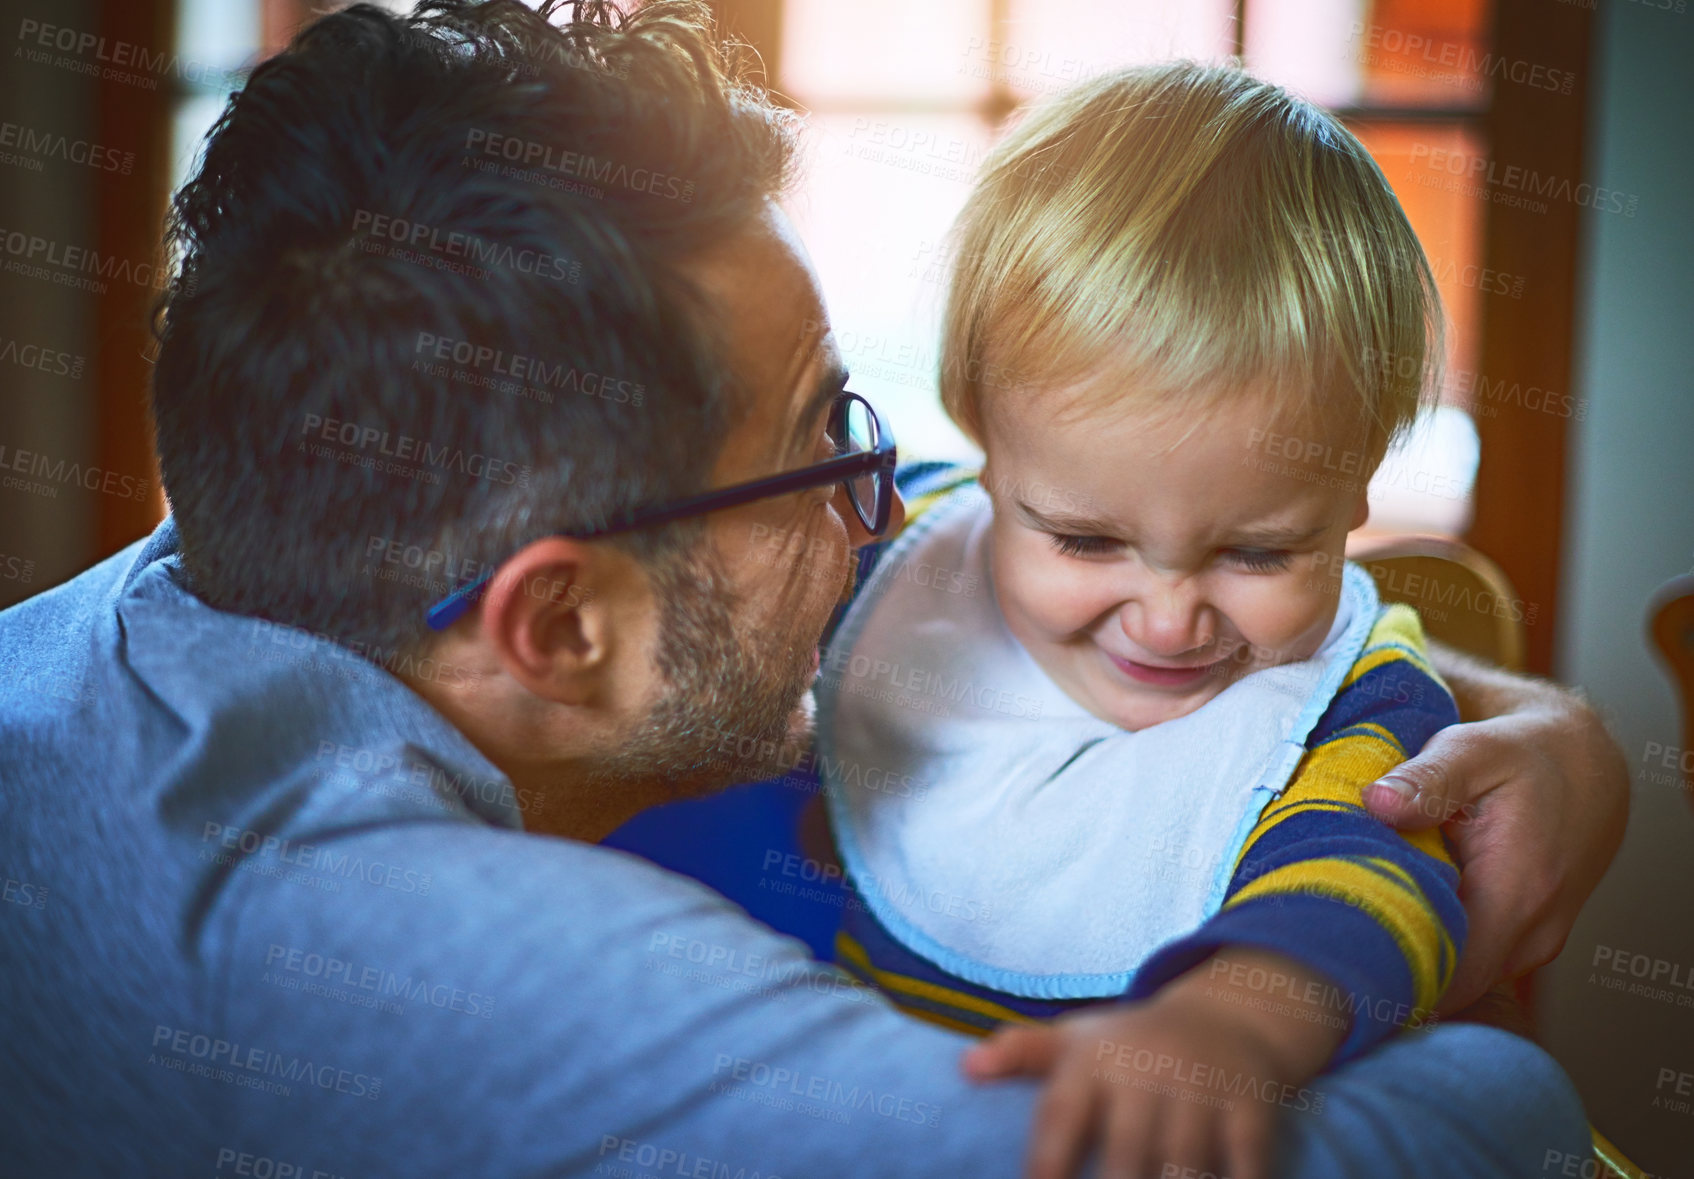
829 564
798 588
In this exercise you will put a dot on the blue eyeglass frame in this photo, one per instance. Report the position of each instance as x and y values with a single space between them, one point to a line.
879 460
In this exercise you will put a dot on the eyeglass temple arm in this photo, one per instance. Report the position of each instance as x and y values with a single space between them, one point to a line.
448 611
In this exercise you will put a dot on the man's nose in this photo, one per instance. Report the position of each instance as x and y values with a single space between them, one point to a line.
1166 618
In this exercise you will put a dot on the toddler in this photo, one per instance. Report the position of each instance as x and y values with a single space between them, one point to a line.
1186 318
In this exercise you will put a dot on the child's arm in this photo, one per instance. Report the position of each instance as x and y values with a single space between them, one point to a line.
1374 912
1336 930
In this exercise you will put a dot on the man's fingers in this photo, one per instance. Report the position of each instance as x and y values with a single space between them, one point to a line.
1439 784
1492 930
1064 1123
1014 1052
1538 947
1498 1008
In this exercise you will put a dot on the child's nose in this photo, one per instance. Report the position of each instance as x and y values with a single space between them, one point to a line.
1167 621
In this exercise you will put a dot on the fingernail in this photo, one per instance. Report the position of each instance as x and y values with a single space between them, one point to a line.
1403 788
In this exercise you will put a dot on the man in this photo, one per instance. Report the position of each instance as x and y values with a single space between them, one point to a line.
312 885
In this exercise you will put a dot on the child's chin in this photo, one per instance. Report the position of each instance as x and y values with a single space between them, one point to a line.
1143 710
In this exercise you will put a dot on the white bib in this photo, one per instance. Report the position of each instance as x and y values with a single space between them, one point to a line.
998 829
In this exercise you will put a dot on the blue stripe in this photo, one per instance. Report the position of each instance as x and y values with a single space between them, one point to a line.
886 953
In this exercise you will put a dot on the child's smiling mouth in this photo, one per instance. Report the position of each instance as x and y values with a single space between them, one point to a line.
1163 677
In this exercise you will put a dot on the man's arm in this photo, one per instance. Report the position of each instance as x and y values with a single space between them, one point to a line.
1534 794
627 1021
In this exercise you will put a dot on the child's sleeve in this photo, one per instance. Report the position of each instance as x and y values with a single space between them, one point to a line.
1325 883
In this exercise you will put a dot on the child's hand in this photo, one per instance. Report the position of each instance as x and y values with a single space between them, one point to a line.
1185 1080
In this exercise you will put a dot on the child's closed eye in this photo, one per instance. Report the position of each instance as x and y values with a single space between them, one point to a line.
1261 560
1072 545
1252 560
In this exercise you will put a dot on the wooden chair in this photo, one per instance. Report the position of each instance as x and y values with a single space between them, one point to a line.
1670 622
1467 602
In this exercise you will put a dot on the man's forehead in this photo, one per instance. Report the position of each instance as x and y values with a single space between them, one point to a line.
760 284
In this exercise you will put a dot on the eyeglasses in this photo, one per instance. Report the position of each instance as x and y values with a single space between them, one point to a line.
864 460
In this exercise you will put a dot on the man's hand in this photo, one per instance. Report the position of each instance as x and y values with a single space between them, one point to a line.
1534 795
1192 1078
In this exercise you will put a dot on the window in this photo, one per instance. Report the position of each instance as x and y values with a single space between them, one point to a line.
905 101
222 38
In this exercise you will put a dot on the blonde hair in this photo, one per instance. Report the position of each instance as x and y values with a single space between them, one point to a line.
1191 231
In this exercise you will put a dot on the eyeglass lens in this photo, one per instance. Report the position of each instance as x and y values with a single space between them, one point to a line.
859 434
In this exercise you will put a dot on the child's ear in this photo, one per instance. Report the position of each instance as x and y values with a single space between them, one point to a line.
1361 511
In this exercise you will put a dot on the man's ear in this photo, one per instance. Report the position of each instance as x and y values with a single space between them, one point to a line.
547 616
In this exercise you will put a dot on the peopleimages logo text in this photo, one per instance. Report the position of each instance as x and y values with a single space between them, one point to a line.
406 448
63 471
453 243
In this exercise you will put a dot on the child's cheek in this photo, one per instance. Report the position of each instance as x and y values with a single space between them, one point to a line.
1292 622
1049 592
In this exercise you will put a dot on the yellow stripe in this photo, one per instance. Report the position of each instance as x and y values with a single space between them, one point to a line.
1610 1156
1446 954
1399 624
1333 778
1329 778
1339 770
921 504
918 506
939 1020
1385 893
849 950
1381 732
1374 657
1429 842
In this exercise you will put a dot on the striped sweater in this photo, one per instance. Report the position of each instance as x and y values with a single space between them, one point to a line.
1319 880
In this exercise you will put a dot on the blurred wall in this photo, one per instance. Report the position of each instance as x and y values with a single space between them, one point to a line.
1630 527
43 410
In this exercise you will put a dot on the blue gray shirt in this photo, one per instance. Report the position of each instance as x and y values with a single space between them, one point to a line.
267 913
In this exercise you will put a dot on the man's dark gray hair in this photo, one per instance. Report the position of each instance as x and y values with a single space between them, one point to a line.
430 305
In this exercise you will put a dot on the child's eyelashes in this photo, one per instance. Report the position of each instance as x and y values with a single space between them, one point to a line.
1261 560
1253 560
1080 546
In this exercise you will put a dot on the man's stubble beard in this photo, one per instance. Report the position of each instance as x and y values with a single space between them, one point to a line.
736 708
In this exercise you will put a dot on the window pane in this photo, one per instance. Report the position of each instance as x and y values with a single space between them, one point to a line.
1050 44
1307 46
1376 52
1424 484
1425 53
216 39
879 195
1449 223
871 51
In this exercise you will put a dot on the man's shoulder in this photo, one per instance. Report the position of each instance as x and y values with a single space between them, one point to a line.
52 644
231 743
41 618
